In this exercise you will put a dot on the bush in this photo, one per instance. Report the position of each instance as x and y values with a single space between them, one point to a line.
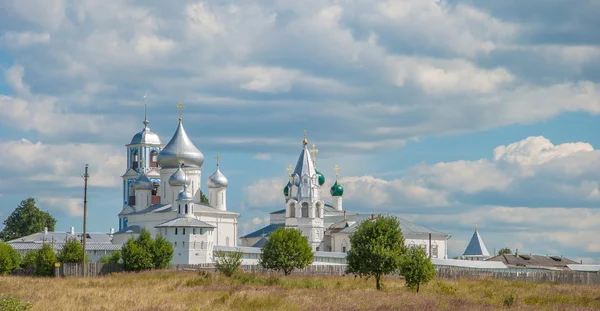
144 253
8 303
114 258
227 262
72 252
287 249
9 258
29 260
44 261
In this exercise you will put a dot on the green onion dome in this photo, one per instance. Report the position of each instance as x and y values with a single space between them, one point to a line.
286 190
321 177
336 190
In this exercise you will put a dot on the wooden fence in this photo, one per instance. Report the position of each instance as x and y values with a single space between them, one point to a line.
525 275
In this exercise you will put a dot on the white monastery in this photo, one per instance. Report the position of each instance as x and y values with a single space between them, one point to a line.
162 194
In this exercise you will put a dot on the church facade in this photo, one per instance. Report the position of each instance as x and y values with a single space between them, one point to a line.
328 226
162 194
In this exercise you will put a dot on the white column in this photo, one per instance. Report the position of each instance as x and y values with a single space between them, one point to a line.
337 203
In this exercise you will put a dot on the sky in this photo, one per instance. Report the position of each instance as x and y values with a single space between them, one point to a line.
450 114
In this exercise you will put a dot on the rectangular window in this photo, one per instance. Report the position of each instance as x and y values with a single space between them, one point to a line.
194 231
175 231
343 249
183 231
434 251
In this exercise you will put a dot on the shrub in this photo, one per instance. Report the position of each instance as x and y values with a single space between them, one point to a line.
9 258
144 253
285 250
72 252
45 260
114 258
227 262
416 268
29 260
376 249
8 303
509 300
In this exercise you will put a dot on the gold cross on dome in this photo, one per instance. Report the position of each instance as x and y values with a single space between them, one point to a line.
290 169
218 157
336 169
180 106
305 141
313 153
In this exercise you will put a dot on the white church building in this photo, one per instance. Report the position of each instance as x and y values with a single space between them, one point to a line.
328 226
162 194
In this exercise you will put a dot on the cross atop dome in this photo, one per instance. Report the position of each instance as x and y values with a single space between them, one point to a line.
217 157
305 141
180 107
313 153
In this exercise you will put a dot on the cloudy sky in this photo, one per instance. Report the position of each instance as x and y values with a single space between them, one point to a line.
448 113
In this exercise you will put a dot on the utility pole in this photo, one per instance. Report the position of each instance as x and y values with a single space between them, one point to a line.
83 238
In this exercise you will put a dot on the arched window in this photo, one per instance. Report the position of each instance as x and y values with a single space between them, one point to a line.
186 209
304 209
293 210
134 160
183 244
318 211
179 209
175 242
183 231
153 158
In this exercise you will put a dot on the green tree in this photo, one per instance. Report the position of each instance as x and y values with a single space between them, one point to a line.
504 250
29 260
26 219
45 260
144 253
287 249
203 198
416 267
9 258
228 262
376 249
71 252
162 253
114 258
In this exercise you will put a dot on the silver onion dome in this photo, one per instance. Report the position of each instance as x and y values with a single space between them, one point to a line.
142 183
146 136
179 179
180 149
184 196
217 180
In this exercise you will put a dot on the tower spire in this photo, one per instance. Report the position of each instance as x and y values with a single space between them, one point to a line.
180 107
305 141
146 122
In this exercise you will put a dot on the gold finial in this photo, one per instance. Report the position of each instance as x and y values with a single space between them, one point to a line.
218 157
313 153
336 169
305 141
475 228
180 107
179 156
290 169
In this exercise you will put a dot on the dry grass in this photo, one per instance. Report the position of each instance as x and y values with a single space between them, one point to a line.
193 291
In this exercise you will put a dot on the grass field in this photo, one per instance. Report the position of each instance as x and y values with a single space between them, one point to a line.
198 291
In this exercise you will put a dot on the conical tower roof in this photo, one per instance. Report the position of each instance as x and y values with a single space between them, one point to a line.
476 246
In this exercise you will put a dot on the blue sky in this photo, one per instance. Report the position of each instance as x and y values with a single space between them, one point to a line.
448 113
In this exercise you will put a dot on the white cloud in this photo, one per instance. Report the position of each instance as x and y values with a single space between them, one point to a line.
262 156
61 165
70 206
23 39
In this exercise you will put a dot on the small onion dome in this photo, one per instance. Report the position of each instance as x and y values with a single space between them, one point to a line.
179 179
286 190
217 180
336 190
184 196
321 177
142 183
